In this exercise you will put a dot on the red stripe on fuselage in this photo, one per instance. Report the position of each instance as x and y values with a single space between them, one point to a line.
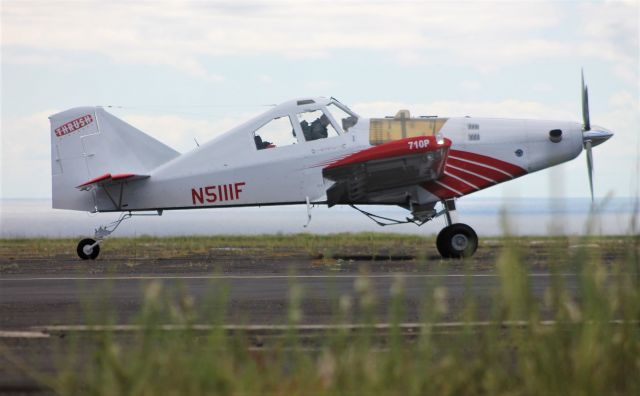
480 169
456 184
440 191
512 169
481 165
475 180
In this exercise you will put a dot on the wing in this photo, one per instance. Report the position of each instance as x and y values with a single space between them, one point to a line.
404 162
109 179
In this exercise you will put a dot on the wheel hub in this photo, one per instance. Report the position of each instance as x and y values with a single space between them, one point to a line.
87 249
459 242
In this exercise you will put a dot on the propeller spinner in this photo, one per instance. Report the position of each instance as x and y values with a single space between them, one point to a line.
590 137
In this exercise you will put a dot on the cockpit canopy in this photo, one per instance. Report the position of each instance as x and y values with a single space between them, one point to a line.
304 120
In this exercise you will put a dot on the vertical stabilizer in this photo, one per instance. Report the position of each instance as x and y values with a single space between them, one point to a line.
88 142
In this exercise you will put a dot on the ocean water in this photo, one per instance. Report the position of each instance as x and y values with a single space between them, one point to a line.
35 218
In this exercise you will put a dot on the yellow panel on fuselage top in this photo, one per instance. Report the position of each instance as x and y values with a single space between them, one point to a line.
382 130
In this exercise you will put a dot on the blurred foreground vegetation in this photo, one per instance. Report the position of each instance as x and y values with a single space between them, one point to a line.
555 345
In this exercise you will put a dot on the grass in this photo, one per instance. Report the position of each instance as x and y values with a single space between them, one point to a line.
188 245
283 245
555 345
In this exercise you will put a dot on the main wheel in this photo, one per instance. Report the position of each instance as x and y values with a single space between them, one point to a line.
85 251
457 240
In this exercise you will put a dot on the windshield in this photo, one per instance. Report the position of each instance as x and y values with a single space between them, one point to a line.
342 114
315 125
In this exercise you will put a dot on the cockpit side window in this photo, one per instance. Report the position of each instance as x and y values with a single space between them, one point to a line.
276 133
316 125
347 120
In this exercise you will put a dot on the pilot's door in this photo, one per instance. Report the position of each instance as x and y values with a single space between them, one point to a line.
323 145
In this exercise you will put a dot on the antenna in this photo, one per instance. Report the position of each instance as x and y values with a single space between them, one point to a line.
195 140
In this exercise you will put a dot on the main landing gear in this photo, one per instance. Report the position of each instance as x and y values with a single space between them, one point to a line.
89 248
456 240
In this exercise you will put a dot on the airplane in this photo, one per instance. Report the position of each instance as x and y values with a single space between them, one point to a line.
308 151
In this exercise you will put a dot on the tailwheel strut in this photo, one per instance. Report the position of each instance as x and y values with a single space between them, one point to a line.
89 248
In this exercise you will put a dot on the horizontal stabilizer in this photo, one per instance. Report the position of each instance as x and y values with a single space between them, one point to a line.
108 179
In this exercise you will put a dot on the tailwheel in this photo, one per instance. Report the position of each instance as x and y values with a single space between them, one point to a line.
456 241
88 249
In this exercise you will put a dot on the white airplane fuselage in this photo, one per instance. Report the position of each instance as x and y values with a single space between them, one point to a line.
230 170
235 174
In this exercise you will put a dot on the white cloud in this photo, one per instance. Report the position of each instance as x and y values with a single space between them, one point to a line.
182 34
26 156
265 79
319 87
542 87
470 85
611 32
38 58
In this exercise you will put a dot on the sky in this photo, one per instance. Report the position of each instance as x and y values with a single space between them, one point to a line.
185 70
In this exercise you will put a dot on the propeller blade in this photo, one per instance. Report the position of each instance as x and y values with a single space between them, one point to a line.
585 105
587 146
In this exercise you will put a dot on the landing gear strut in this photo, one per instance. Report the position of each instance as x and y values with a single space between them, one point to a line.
456 240
90 248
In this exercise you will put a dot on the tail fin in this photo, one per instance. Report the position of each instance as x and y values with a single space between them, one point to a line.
87 143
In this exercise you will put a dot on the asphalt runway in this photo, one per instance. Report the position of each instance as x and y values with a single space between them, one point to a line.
27 302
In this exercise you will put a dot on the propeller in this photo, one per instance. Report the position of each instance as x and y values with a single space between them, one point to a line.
586 126
587 146
590 137
585 106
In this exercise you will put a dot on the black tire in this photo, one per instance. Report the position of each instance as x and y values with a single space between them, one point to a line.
80 250
457 241
441 241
